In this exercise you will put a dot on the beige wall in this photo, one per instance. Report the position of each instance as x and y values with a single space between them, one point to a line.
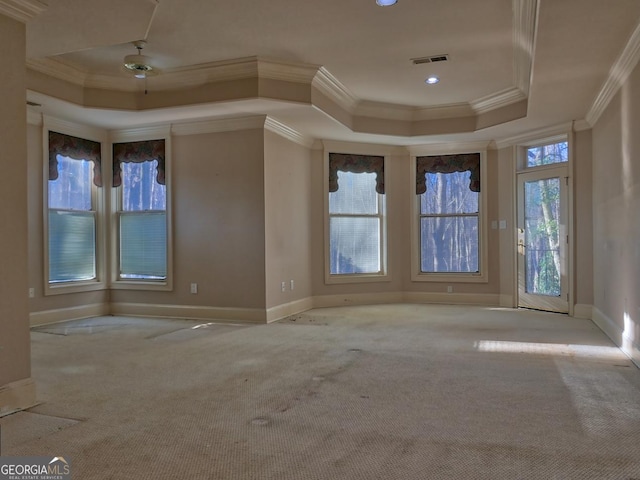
399 197
36 188
287 220
14 311
506 173
616 215
583 218
218 222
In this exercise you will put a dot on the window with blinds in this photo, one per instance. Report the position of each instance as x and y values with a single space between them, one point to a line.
356 215
71 222
142 221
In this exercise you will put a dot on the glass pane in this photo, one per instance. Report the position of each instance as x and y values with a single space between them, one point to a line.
548 154
143 246
448 193
355 245
72 251
72 189
449 244
356 194
542 236
140 190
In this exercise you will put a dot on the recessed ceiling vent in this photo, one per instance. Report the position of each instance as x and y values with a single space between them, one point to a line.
431 59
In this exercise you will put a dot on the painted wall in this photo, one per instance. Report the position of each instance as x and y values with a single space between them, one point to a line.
15 363
583 218
287 220
507 237
399 197
616 217
218 223
41 303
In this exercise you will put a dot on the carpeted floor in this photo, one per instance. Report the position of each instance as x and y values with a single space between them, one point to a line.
377 392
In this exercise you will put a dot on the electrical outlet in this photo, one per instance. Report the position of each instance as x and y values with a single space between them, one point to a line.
194 288
32 292
292 284
449 289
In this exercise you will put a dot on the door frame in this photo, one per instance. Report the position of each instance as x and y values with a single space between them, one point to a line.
520 156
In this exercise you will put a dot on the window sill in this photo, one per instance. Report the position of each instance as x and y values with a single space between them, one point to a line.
356 278
141 285
73 287
450 277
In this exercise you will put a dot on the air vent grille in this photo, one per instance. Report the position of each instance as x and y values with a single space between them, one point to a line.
431 59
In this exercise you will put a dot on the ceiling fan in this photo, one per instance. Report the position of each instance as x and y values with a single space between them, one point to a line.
139 65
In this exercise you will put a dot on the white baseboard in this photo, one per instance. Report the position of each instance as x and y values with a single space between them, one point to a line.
484 299
71 313
248 315
324 301
291 308
17 396
507 301
581 310
616 333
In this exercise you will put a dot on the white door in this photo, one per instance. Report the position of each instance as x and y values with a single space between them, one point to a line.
543 239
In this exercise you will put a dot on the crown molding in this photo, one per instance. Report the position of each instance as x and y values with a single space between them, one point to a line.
618 74
525 26
219 125
57 69
359 148
542 135
140 133
329 85
448 148
390 111
22 10
286 71
182 77
286 132
580 125
497 100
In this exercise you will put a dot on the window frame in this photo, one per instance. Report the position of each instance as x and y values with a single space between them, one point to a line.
117 283
98 208
417 275
345 278
522 149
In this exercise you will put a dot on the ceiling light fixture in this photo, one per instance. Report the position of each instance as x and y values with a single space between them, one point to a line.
138 64
432 80
386 3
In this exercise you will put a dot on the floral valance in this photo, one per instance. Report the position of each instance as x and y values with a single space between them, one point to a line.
138 152
76 148
355 164
448 164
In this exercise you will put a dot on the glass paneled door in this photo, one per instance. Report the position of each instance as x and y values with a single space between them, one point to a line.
543 240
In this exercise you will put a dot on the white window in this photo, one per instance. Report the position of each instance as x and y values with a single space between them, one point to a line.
547 154
356 216
449 217
142 213
72 219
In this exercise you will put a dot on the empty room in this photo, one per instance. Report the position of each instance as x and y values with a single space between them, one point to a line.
297 240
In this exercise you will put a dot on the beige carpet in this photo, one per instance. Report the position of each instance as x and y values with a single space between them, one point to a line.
379 392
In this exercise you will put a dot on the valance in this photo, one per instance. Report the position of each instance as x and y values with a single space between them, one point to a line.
355 164
448 164
76 148
138 152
